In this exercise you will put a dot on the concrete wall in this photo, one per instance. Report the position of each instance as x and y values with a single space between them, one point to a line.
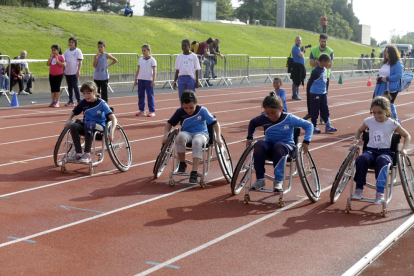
364 34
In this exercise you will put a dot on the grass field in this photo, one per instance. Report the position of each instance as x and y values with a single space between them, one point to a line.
35 30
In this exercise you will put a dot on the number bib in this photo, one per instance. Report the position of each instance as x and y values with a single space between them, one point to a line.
378 138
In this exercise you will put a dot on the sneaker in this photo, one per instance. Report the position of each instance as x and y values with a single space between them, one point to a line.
297 99
379 198
358 194
23 93
330 129
52 104
151 114
258 185
193 177
316 130
182 167
277 186
86 158
28 90
10 93
214 77
73 158
56 104
208 83
69 104
140 113
307 117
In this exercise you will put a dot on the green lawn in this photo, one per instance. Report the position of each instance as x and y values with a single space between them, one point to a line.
35 30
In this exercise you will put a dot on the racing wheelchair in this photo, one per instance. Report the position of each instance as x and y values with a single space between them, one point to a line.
168 151
119 149
402 164
302 165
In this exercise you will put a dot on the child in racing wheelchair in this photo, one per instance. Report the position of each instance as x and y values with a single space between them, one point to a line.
193 119
381 129
279 141
95 111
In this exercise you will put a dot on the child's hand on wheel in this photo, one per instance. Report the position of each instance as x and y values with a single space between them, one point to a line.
164 139
305 148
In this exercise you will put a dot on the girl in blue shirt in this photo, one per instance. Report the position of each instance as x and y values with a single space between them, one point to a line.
279 129
95 112
193 119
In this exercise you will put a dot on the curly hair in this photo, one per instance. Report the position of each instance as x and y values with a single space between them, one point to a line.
394 55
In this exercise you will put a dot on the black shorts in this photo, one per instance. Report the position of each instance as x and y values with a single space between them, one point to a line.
55 82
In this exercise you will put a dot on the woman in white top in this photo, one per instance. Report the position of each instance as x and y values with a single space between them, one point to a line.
390 75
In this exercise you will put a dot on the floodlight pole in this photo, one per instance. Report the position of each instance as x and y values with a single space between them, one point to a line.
281 13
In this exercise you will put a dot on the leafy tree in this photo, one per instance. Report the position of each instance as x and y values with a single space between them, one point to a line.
224 10
374 42
95 5
56 3
263 10
169 8
30 3
382 42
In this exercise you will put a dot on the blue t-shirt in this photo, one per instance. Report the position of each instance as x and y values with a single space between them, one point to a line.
282 130
297 59
195 123
93 112
282 94
318 80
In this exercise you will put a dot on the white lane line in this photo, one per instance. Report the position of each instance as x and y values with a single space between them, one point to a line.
223 237
175 107
380 248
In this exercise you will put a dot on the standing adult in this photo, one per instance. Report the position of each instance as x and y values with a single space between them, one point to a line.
203 53
324 22
373 58
73 57
314 62
28 77
215 50
298 72
389 76
128 10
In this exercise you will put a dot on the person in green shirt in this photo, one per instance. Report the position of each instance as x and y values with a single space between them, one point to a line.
314 62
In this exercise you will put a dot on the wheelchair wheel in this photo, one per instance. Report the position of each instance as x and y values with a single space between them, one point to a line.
308 174
63 147
242 174
407 178
165 154
119 149
224 158
344 174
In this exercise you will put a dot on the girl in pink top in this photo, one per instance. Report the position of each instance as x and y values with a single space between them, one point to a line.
56 62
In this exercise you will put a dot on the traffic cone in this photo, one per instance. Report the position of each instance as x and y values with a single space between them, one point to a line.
14 102
340 79
369 82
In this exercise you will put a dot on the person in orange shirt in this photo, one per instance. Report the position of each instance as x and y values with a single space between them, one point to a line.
324 22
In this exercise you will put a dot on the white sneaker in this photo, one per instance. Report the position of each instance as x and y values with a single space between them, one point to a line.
10 93
258 185
277 186
379 198
358 194
73 158
23 93
86 158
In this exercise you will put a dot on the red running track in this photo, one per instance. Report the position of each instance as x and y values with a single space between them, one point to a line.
118 222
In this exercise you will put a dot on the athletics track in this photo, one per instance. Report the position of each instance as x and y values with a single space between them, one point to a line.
113 223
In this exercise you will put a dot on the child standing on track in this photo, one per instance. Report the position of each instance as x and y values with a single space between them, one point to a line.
279 141
193 119
73 57
277 83
145 80
101 75
56 63
378 152
318 96
95 111
186 66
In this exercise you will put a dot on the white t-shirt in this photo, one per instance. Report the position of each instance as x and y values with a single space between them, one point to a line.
72 58
145 68
187 65
24 65
380 134
385 71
